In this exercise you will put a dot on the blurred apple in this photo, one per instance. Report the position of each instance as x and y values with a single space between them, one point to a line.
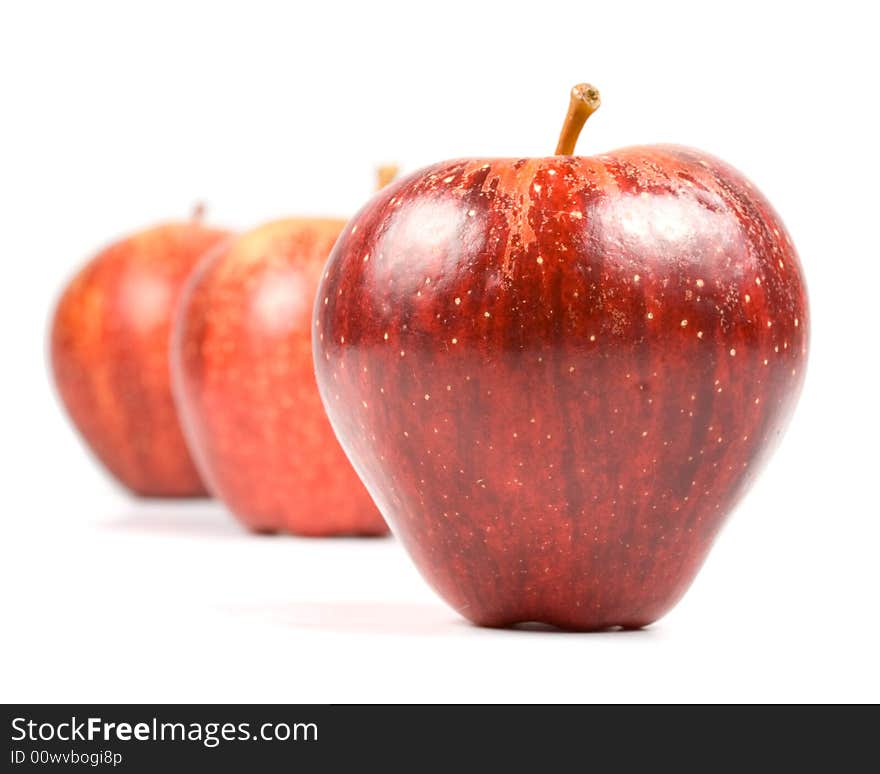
109 355
244 381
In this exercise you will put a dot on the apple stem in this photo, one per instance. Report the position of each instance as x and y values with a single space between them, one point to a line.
198 212
385 174
584 102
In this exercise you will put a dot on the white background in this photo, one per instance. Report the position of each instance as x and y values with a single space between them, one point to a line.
114 115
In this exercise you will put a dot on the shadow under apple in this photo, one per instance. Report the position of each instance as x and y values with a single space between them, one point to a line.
182 518
396 618
403 618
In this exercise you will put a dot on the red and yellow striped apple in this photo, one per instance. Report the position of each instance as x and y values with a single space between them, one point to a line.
109 352
557 376
245 385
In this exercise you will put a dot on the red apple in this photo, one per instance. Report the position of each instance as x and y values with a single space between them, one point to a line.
557 376
245 385
109 352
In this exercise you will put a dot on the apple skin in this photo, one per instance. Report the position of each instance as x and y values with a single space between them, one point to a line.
109 354
557 376
244 381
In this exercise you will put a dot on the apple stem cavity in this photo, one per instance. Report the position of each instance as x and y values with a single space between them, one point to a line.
198 212
584 102
385 174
